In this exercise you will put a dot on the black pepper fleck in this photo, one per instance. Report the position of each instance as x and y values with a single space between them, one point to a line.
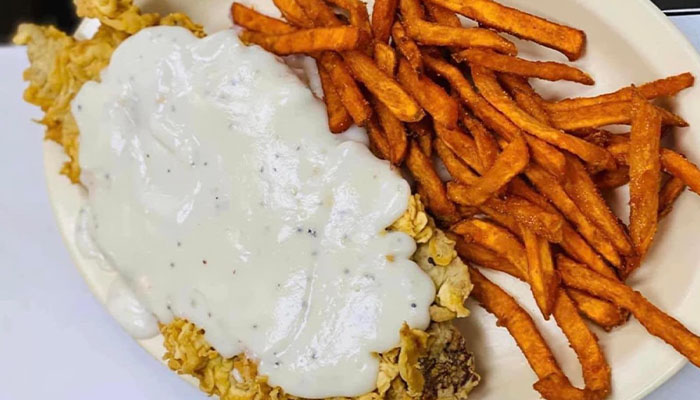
414 305
234 272
179 244
346 271
277 363
172 108
255 326
262 169
80 107
274 169
172 265
299 229
204 262
206 163
431 261
314 253
168 170
313 356
312 232
209 314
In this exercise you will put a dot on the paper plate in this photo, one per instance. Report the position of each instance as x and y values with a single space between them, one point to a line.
629 41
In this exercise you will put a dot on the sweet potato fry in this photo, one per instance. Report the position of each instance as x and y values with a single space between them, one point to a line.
306 40
429 95
480 255
535 218
486 145
494 238
510 163
383 87
461 144
459 171
394 132
548 70
602 312
556 387
385 57
645 174
350 94
677 165
383 14
668 195
543 280
596 371
550 188
595 116
567 40
542 153
525 96
377 140
651 90
358 14
673 163
407 47
489 87
429 33
319 13
426 144
292 12
654 320
582 190
519 324
577 248
339 120
442 16
257 22
421 168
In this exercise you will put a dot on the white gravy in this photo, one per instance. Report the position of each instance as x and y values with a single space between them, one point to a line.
219 195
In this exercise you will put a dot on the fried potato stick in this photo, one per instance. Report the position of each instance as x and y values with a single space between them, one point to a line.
542 153
645 174
519 324
494 238
428 33
489 87
670 192
553 190
540 220
459 171
346 87
257 22
603 313
611 113
383 87
582 190
674 163
421 168
442 16
377 140
653 319
651 90
385 57
565 39
407 47
433 98
306 40
486 145
292 12
595 368
542 277
613 178
339 120
509 164
383 14
525 96
358 14
548 70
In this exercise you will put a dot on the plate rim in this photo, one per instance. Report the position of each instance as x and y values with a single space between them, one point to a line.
58 185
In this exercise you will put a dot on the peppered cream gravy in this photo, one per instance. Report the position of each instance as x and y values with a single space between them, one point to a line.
217 192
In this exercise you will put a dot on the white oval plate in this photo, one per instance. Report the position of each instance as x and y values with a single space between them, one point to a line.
628 41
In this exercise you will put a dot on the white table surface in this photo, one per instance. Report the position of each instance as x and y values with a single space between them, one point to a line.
56 341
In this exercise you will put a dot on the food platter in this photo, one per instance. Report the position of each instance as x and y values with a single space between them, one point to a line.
620 36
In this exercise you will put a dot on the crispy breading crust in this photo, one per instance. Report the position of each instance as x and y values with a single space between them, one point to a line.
428 365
